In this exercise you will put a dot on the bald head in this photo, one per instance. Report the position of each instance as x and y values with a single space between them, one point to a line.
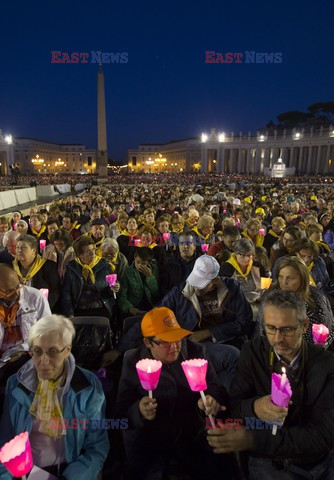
9 284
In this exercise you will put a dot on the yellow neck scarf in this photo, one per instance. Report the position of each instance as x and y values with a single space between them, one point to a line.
149 246
35 267
273 234
258 240
112 262
233 261
38 234
312 282
46 408
87 269
177 230
324 245
195 229
128 234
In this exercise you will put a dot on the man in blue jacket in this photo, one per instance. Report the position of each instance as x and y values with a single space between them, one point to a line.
214 309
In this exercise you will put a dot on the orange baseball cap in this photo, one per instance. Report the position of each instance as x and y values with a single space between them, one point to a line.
161 322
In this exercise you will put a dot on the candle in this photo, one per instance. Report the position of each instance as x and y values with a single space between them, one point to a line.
195 372
16 455
42 244
136 241
265 282
283 378
320 333
205 247
149 374
45 292
166 237
261 231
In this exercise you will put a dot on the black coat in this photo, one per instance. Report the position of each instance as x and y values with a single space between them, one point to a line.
308 431
48 277
74 282
175 271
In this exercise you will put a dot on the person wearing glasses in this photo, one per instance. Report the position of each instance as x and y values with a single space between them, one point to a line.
56 402
172 423
241 266
284 245
303 445
293 276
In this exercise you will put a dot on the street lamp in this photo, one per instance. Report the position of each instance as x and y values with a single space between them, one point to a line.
37 162
9 139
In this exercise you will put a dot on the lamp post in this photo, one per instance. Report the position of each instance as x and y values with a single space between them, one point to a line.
38 162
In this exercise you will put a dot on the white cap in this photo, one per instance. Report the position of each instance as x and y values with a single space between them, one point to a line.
236 201
206 268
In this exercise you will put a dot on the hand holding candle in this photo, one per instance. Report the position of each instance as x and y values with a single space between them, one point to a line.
280 391
195 372
166 237
112 279
320 334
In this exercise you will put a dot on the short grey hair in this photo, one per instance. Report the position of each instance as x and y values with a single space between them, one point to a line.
11 235
244 246
52 324
276 297
109 242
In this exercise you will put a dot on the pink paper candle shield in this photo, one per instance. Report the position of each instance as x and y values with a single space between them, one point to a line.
42 244
16 455
111 279
136 242
320 334
149 373
195 371
262 231
45 292
280 391
166 236
205 247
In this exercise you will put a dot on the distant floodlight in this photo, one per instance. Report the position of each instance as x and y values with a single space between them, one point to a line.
221 137
9 139
204 137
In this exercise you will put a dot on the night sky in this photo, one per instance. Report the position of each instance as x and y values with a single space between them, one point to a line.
166 90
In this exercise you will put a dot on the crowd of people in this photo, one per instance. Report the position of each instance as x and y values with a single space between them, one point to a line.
177 268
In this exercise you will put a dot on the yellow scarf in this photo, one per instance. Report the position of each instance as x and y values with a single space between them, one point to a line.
35 267
87 269
128 234
273 234
324 245
195 229
177 230
149 246
312 282
8 314
38 234
258 240
97 244
75 226
112 262
233 261
46 408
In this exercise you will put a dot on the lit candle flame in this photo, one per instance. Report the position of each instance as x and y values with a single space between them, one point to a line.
283 370
149 370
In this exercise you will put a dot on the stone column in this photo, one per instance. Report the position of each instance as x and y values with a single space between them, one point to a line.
232 161
318 167
300 160
204 159
309 161
239 160
221 159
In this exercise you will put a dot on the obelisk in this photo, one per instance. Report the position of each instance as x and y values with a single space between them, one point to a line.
102 151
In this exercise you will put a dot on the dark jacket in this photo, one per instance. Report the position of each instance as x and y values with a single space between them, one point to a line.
307 434
175 271
236 320
48 277
6 257
74 282
133 288
269 241
177 405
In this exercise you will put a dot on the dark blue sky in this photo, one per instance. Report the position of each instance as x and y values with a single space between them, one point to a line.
166 90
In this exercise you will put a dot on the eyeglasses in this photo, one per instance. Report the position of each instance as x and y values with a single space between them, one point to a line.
165 345
284 331
52 353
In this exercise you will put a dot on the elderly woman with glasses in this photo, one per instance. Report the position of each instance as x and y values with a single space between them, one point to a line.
243 268
56 402
116 259
293 276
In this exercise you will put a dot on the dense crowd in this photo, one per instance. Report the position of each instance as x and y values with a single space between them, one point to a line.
233 270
